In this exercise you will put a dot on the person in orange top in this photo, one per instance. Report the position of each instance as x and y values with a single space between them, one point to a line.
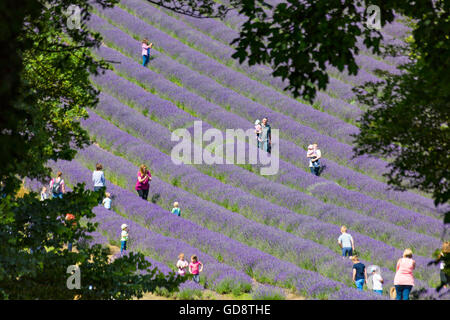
404 278
70 217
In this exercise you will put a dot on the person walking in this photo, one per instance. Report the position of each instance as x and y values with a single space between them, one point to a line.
143 182
195 267
146 46
123 238
346 243
404 278
378 281
359 273
266 136
98 177
182 264
57 186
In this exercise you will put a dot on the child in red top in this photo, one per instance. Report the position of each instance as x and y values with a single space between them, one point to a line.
70 217
195 267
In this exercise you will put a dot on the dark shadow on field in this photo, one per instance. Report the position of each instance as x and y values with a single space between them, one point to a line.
155 198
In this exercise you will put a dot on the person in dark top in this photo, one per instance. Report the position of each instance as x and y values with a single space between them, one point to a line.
359 273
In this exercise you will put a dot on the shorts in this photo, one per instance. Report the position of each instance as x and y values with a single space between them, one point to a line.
347 251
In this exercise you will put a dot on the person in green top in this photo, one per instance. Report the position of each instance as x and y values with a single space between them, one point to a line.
123 238
175 209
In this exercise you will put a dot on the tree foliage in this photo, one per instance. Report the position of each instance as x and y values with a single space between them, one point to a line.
45 90
27 223
409 116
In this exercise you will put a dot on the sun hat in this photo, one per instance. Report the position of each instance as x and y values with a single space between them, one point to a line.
257 122
124 226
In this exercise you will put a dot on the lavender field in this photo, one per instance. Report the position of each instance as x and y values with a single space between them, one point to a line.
260 235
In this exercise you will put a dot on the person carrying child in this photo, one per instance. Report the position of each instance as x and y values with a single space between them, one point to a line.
182 264
195 267
123 238
176 210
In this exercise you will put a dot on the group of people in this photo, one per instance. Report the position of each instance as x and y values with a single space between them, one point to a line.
195 267
404 278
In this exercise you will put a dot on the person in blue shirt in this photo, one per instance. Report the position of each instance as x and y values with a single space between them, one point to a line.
359 273
176 210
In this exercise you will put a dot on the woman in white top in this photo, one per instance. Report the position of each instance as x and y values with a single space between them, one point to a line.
182 265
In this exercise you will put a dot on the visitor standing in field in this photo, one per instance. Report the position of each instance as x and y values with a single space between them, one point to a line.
70 217
266 136
146 46
404 278
346 243
143 182
98 177
44 195
182 264
377 286
57 186
123 238
359 273
176 210
195 267
107 201
444 253
314 156
258 130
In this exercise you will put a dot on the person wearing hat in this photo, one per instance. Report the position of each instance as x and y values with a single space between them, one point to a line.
377 281
124 238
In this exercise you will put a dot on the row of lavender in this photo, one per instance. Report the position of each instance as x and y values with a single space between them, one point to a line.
173 118
156 135
242 94
259 265
222 52
281 244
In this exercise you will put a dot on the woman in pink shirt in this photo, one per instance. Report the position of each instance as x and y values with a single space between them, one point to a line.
143 182
404 278
146 52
